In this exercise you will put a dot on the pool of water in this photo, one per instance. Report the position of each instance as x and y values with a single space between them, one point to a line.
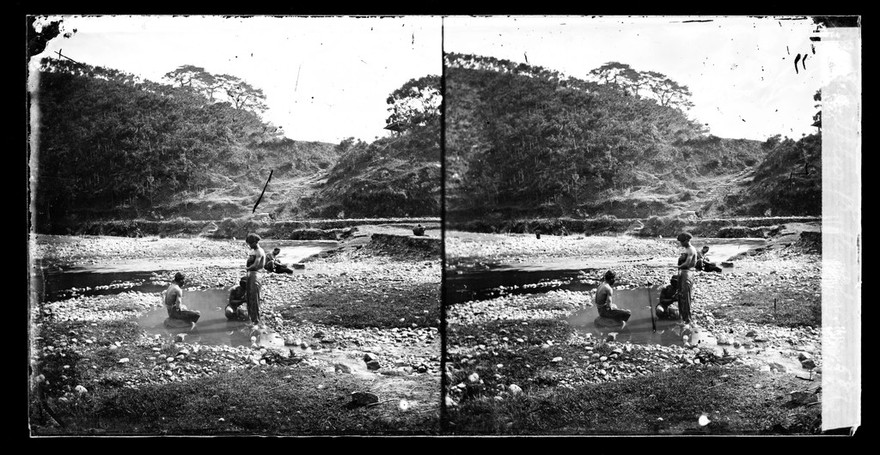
488 284
470 280
53 282
724 249
640 328
212 328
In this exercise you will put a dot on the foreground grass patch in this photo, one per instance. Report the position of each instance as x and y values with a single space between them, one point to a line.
298 400
521 362
794 306
664 403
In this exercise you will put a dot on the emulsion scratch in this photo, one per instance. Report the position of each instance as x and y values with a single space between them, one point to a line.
796 60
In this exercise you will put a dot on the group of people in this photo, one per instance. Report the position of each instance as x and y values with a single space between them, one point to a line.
244 299
679 291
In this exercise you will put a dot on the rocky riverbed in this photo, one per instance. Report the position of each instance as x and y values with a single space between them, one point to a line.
762 317
371 318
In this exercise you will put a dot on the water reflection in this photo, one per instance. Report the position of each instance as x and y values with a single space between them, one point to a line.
639 329
213 328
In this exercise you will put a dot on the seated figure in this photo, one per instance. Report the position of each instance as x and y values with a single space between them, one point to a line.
603 301
236 310
274 265
668 297
173 300
703 262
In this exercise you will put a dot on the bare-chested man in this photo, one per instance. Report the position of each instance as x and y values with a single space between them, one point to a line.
174 301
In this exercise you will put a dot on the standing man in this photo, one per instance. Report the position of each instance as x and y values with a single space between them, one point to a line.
606 308
686 263
174 301
255 262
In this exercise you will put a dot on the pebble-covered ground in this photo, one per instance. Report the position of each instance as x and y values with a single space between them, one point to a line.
513 248
734 317
105 346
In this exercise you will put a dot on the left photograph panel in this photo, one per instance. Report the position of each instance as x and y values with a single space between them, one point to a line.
234 225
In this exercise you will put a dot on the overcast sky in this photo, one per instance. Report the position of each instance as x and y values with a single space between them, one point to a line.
740 70
325 78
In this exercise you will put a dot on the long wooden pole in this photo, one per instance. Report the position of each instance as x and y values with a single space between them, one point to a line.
264 191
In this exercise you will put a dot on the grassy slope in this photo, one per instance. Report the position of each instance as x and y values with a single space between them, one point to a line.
297 168
719 178
392 177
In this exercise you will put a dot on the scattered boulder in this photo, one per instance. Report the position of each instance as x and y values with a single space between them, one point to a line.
297 266
751 334
602 321
611 336
373 365
340 368
80 389
363 398
802 399
172 323
474 378
514 389
809 364
778 367
369 357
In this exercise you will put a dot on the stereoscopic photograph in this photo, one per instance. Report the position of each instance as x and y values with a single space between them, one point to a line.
633 225
235 225
443 226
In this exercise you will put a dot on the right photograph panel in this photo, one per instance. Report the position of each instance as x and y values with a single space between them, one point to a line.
633 214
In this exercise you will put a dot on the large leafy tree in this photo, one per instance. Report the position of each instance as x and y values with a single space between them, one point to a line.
194 78
521 137
415 103
242 94
668 92
620 75
651 84
109 139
